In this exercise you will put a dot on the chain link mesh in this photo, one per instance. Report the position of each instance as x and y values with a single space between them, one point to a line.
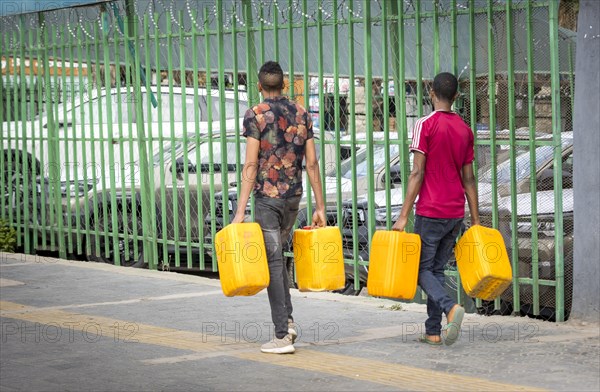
171 48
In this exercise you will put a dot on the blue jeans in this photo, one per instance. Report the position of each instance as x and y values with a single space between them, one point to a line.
438 237
276 218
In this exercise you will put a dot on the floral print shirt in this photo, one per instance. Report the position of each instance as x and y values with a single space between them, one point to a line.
282 126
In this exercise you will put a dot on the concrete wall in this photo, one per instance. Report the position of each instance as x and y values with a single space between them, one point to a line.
586 279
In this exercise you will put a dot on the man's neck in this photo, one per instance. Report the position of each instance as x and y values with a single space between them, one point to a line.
442 106
271 94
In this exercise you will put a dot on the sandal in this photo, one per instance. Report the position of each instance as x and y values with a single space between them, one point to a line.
453 327
426 340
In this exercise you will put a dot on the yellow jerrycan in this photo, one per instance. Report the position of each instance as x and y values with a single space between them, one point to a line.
483 263
394 264
319 259
242 259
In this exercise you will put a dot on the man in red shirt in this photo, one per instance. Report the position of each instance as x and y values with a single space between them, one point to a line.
442 175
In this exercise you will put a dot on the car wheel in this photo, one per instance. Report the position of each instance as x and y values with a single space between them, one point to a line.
349 287
13 192
130 259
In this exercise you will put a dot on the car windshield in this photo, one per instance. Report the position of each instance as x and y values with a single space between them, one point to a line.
361 161
522 163
230 157
166 152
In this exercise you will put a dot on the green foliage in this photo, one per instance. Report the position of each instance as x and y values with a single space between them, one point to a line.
8 237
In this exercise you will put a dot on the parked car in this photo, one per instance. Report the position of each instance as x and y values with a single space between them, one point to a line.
86 136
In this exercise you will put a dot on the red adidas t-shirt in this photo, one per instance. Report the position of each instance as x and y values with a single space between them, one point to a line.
447 143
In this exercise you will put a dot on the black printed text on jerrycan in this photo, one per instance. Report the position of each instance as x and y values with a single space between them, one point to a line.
242 259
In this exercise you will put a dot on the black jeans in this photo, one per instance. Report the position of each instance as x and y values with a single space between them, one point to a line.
438 237
276 218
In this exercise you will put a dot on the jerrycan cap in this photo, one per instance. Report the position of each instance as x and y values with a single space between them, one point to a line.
307 228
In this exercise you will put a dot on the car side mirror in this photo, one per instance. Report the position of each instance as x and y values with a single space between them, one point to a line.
396 174
546 180
180 166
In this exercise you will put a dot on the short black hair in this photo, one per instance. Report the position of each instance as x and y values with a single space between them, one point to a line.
270 76
445 86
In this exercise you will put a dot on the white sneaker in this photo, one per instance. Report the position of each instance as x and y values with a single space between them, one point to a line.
292 330
279 346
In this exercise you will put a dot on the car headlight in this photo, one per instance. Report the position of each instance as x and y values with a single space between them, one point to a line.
545 227
381 214
75 189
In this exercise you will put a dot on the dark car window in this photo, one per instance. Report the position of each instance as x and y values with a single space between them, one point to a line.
523 165
361 161
229 108
230 159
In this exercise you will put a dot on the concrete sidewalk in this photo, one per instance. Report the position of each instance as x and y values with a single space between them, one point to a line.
69 325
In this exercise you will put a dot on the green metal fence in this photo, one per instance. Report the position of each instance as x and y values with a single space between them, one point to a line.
120 124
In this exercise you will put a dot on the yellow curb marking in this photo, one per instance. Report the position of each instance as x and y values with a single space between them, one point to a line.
356 368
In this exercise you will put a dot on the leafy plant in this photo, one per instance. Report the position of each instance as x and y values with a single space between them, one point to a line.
8 237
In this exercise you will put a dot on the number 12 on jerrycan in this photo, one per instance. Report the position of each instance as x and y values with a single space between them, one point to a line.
242 259
394 264
319 259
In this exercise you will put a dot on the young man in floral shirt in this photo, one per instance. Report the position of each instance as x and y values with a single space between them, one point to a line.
279 135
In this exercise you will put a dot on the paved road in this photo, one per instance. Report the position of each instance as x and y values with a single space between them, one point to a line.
70 325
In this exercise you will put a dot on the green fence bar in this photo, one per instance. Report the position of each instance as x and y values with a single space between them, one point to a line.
125 214
532 158
185 141
35 167
512 153
336 115
17 160
149 236
492 109
369 116
55 140
224 159
68 162
386 114
291 54
275 13
211 166
261 35
436 39
173 141
400 96
419 58
151 108
200 207
320 68
74 125
252 68
558 187
114 216
236 107
454 38
352 103
473 78
25 162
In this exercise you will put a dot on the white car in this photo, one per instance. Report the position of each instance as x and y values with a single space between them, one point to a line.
89 145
